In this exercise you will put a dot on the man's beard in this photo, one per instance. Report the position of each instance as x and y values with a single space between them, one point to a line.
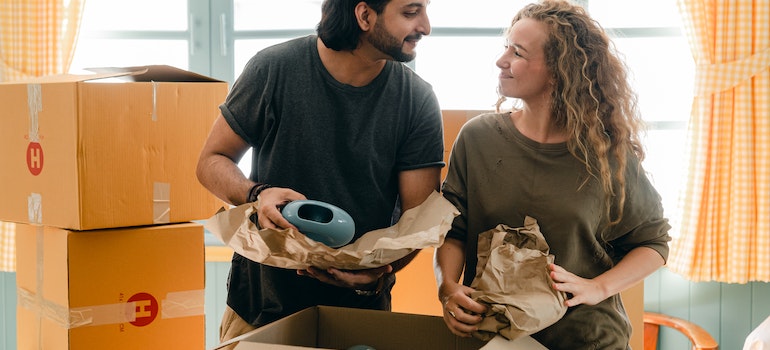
388 44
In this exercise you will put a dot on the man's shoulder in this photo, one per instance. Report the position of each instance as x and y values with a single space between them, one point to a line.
286 50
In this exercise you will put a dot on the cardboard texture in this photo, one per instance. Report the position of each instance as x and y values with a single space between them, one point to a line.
132 288
513 279
114 149
326 327
454 119
421 227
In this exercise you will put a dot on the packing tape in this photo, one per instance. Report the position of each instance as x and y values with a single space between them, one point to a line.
35 104
161 202
56 313
98 315
154 100
35 208
175 305
39 270
183 304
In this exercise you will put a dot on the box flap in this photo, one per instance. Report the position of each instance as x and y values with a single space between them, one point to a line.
161 73
69 78
153 73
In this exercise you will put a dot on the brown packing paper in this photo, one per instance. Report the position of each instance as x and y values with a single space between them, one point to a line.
512 278
421 227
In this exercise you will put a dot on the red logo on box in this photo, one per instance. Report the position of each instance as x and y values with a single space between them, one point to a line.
35 158
146 309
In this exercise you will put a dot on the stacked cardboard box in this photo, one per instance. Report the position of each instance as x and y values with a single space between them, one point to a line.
98 173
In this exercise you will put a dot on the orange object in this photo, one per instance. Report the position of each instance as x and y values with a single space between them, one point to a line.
117 289
699 337
88 152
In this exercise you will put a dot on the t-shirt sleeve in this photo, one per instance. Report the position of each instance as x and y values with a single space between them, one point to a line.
246 104
454 188
643 223
424 144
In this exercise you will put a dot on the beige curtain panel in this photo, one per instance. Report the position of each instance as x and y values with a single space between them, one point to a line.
725 201
37 37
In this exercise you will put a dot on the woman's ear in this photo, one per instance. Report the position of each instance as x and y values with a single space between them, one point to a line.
363 13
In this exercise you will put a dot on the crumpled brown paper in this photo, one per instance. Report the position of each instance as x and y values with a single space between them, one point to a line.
420 227
513 279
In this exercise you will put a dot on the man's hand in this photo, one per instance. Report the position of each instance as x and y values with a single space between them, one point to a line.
352 279
269 205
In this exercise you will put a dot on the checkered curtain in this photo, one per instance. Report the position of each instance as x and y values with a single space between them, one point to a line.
725 201
7 247
37 37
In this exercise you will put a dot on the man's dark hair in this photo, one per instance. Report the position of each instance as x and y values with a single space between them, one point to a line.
338 28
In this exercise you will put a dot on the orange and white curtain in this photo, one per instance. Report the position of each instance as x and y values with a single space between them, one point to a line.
7 247
37 38
725 202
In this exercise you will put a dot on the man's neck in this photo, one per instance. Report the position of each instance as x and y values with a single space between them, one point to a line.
356 68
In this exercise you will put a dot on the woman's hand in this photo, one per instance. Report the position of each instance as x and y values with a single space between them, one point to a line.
579 290
461 313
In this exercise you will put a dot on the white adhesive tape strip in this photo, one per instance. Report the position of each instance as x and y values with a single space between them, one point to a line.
35 104
161 202
183 304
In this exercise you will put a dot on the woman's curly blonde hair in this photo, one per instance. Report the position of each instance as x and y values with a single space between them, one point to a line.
592 99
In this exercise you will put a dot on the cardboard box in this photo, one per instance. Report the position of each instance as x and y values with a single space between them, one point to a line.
90 151
453 120
327 327
131 288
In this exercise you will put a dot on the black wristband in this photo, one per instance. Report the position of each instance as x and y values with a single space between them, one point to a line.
255 190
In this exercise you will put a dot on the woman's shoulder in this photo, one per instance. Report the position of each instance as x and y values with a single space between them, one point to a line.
484 121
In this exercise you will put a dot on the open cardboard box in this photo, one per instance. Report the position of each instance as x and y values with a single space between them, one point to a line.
327 327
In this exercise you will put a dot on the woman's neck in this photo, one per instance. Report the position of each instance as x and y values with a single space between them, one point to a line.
538 126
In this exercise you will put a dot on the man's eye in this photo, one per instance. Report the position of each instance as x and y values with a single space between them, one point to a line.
410 14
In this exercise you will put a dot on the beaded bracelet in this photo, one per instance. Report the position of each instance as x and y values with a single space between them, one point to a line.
255 190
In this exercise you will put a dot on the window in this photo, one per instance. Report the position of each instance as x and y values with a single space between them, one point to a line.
216 38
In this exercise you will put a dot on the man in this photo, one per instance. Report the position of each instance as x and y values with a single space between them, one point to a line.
337 118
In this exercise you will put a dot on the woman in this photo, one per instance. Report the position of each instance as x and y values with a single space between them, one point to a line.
569 156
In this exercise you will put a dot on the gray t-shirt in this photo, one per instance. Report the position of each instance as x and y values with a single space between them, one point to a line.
497 176
331 142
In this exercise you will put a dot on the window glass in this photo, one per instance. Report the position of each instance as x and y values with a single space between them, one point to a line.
456 60
479 14
129 52
634 13
134 15
665 164
461 69
273 15
662 73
